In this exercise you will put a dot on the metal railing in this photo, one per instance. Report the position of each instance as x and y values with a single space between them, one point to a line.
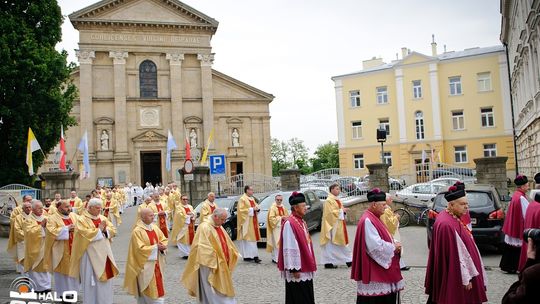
234 185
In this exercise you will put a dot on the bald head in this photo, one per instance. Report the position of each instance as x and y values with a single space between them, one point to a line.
211 197
147 216
37 207
220 216
27 207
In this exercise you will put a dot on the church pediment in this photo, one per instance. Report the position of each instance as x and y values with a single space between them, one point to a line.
144 12
415 57
149 136
228 88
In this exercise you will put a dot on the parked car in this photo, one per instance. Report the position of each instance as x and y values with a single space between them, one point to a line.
313 216
229 204
423 192
448 181
485 209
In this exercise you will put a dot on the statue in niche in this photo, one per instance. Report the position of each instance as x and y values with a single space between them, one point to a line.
235 138
193 138
104 138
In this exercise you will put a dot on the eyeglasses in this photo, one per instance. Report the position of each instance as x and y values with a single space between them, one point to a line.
184 199
279 200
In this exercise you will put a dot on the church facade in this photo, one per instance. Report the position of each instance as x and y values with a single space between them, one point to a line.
145 67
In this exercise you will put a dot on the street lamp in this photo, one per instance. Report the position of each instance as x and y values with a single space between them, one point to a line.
381 137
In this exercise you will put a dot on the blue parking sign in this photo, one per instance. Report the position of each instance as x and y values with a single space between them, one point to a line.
217 164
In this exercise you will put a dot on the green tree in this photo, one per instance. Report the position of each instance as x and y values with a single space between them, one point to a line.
298 155
279 151
35 87
326 157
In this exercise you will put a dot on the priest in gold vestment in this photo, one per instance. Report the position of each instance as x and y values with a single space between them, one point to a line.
273 226
213 257
161 211
248 226
183 230
92 261
58 247
34 248
208 206
146 261
334 237
16 235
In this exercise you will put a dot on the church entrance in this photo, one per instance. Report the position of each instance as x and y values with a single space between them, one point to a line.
150 167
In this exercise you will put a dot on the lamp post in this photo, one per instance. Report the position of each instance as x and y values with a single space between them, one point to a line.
381 137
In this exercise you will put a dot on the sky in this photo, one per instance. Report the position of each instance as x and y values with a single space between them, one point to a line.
291 48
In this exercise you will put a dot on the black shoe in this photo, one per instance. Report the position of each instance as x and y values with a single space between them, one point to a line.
330 266
274 262
184 258
349 264
257 260
405 268
248 259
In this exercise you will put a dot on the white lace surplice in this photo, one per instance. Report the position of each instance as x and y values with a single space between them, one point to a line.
291 256
466 263
512 241
382 253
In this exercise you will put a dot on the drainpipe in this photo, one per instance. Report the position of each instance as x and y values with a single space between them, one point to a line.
511 105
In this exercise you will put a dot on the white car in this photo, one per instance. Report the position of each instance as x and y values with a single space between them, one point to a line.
422 192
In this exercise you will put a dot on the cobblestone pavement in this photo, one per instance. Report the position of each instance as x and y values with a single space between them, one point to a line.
262 283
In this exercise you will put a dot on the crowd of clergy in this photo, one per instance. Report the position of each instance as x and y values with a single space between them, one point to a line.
68 242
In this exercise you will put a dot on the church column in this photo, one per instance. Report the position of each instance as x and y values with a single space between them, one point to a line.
85 95
207 94
177 114
120 116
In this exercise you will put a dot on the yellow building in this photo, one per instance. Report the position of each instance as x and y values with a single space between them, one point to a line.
446 108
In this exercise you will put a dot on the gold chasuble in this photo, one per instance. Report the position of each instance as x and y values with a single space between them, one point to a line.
34 244
182 232
76 204
332 211
161 219
275 213
58 252
248 226
16 237
16 211
111 209
206 210
145 263
390 220
211 248
99 252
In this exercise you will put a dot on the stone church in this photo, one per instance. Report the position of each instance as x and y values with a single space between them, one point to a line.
145 67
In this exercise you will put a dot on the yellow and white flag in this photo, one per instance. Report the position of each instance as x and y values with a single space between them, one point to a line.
205 153
32 146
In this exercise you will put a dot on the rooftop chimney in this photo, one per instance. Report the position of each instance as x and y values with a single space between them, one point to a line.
403 52
371 63
433 46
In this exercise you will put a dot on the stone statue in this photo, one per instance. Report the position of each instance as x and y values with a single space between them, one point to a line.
104 140
193 138
235 138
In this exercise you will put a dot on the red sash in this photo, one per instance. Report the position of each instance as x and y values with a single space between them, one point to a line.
344 224
255 222
106 212
72 203
191 227
223 242
162 221
152 236
212 208
68 222
281 212
109 273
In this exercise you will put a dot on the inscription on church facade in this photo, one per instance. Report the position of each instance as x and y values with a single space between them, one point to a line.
144 38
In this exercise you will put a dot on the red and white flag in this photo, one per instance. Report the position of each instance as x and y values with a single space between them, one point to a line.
188 147
62 151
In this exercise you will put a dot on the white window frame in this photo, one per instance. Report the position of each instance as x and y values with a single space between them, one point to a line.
460 156
358 161
382 95
455 85
457 117
385 122
484 81
420 131
490 150
354 98
417 89
387 156
356 130
485 118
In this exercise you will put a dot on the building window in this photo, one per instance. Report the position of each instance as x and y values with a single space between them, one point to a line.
385 123
354 97
487 117
484 82
356 129
387 156
460 154
419 119
382 95
358 160
148 79
490 150
458 120
417 89
455 85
